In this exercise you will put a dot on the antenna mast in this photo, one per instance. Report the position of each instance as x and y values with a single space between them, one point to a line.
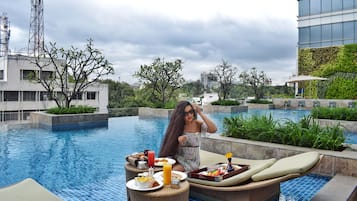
4 35
36 34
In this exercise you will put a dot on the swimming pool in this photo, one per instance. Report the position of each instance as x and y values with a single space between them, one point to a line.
89 164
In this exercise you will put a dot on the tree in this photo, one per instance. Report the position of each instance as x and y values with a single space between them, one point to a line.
256 81
162 79
120 93
226 74
66 73
193 89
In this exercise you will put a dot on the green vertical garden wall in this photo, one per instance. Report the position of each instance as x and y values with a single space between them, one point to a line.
338 64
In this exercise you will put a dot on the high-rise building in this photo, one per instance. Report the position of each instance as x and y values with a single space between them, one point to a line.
327 46
209 80
325 23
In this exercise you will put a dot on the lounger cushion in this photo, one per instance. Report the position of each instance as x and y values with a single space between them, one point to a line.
209 158
299 163
27 190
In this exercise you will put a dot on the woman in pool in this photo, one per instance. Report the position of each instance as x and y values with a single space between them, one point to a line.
182 138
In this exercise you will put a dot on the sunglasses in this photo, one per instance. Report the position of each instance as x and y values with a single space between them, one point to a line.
190 112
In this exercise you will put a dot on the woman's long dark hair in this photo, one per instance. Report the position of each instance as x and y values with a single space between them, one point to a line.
175 128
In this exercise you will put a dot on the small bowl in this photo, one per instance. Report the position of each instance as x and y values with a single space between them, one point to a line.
142 165
143 182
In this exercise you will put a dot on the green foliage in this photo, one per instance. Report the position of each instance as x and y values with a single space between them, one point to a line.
339 64
260 101
305 133
74 70
170 104
341 88
240 91
347 114
119 112
305 61
121 94
225 102
348 59
79 109
193 89
226 75
256 80
161 79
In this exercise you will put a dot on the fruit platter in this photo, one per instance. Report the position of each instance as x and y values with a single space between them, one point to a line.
217 172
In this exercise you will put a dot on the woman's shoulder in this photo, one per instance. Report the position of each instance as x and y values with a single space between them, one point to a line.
198 122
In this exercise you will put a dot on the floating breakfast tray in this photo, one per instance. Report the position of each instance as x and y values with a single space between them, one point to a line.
198 173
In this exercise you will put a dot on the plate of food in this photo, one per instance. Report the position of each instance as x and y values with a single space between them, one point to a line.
143 183
174 175
162 161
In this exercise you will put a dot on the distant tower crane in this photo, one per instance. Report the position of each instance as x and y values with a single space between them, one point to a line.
36 34
4 35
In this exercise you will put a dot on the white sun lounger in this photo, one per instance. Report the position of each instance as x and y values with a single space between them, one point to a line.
27 190
261 182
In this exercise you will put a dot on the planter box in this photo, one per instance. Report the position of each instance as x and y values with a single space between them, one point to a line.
68 121
260 106
334 162
227 109
154 112
349 126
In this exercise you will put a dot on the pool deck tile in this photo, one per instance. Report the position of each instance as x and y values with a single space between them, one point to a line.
339 188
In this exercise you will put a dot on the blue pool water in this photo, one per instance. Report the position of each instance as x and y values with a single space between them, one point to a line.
89 164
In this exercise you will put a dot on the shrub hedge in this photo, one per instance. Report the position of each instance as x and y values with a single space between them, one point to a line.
71 110
346 114
225 102
305 133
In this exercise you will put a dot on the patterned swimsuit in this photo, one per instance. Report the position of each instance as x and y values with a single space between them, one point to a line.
188 154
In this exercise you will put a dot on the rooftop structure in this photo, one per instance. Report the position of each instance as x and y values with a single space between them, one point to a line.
36 33
4 35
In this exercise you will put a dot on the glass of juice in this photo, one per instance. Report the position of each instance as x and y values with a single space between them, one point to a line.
167 173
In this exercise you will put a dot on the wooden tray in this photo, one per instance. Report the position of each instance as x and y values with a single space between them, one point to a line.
196 173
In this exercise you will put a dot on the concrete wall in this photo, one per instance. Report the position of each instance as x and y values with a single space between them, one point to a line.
166 113
309 103
68 121
260 106
334 162
228 109
349 126
154 112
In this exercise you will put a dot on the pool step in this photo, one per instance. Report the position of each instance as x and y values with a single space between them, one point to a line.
339 188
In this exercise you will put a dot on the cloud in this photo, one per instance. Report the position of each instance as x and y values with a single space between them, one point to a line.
201 33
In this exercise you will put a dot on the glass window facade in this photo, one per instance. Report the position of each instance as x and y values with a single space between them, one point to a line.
304 7
11 96
314 7
45 96
29 95
328 34
91 95
77 96
27 74
326 6
46 75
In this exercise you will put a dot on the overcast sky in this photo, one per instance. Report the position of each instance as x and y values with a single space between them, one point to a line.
245 33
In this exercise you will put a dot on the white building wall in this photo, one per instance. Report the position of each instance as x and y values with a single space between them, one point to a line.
16 63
